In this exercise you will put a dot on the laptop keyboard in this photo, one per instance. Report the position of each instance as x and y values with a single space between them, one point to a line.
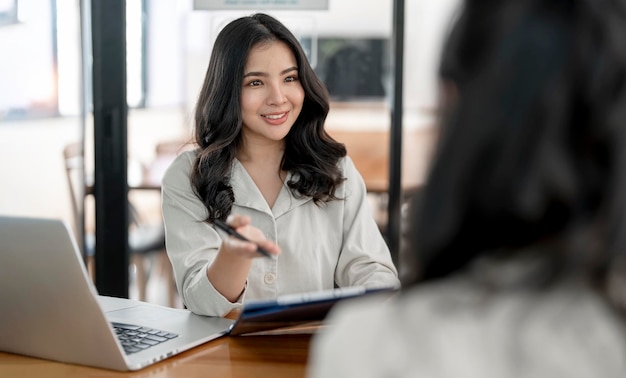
135 338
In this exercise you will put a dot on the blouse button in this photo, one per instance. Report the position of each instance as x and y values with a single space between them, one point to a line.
269 278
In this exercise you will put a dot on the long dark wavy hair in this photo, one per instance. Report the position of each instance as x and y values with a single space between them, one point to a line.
534 150
310 153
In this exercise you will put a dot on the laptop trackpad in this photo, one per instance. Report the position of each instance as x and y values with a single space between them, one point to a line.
125 310
143 313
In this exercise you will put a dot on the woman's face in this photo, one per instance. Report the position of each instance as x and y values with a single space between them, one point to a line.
272 95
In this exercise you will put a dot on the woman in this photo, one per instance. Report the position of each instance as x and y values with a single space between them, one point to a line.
265 165
520 232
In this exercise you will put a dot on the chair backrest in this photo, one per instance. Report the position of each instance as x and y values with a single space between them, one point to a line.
143 237
369 150
75 173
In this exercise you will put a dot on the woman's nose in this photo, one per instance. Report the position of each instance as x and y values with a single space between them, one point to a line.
276 95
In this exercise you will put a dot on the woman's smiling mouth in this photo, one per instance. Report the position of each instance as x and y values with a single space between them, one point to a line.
275 118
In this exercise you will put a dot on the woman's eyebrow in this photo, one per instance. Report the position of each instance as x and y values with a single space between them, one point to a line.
264 74
294 68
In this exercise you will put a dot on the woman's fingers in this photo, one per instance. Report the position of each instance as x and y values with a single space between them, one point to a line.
256 238
249 249
236 221
270 247
240 246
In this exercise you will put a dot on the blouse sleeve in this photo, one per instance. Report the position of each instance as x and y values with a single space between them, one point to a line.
364 259
191 243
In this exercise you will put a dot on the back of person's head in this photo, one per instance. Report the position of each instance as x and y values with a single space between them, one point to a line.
533 150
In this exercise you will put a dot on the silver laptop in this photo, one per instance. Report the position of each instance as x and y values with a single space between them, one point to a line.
50 309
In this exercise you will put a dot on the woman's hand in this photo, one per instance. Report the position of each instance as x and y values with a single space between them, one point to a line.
247 249
228 273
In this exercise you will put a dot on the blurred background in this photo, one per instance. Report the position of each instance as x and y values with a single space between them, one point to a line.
46 119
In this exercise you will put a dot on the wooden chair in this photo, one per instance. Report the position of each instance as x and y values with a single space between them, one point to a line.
146 240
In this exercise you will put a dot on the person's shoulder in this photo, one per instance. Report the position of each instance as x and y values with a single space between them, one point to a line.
346 165
364 327
180 166
357 320
367 307
553 318
184 160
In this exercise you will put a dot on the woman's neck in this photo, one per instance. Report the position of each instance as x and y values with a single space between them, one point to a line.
261 154
263 164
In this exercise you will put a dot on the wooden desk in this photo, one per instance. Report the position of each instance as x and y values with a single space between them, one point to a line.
227 357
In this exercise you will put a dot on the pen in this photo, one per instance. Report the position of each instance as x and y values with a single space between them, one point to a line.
231 231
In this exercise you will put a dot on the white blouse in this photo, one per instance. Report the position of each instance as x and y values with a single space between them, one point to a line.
335 244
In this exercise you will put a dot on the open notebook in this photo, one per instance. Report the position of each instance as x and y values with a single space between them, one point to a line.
50 308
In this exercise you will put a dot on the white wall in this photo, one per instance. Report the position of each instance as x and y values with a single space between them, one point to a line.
26 73
32 169
426 26
34 182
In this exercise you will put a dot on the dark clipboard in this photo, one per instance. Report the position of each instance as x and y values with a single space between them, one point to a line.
295 310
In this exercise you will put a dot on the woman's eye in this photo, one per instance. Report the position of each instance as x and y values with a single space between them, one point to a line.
290 79
255 83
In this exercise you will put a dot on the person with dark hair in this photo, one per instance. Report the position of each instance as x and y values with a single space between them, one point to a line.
266 166
520 232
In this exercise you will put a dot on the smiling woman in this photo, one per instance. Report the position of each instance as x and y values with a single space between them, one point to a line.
265 164
271 99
